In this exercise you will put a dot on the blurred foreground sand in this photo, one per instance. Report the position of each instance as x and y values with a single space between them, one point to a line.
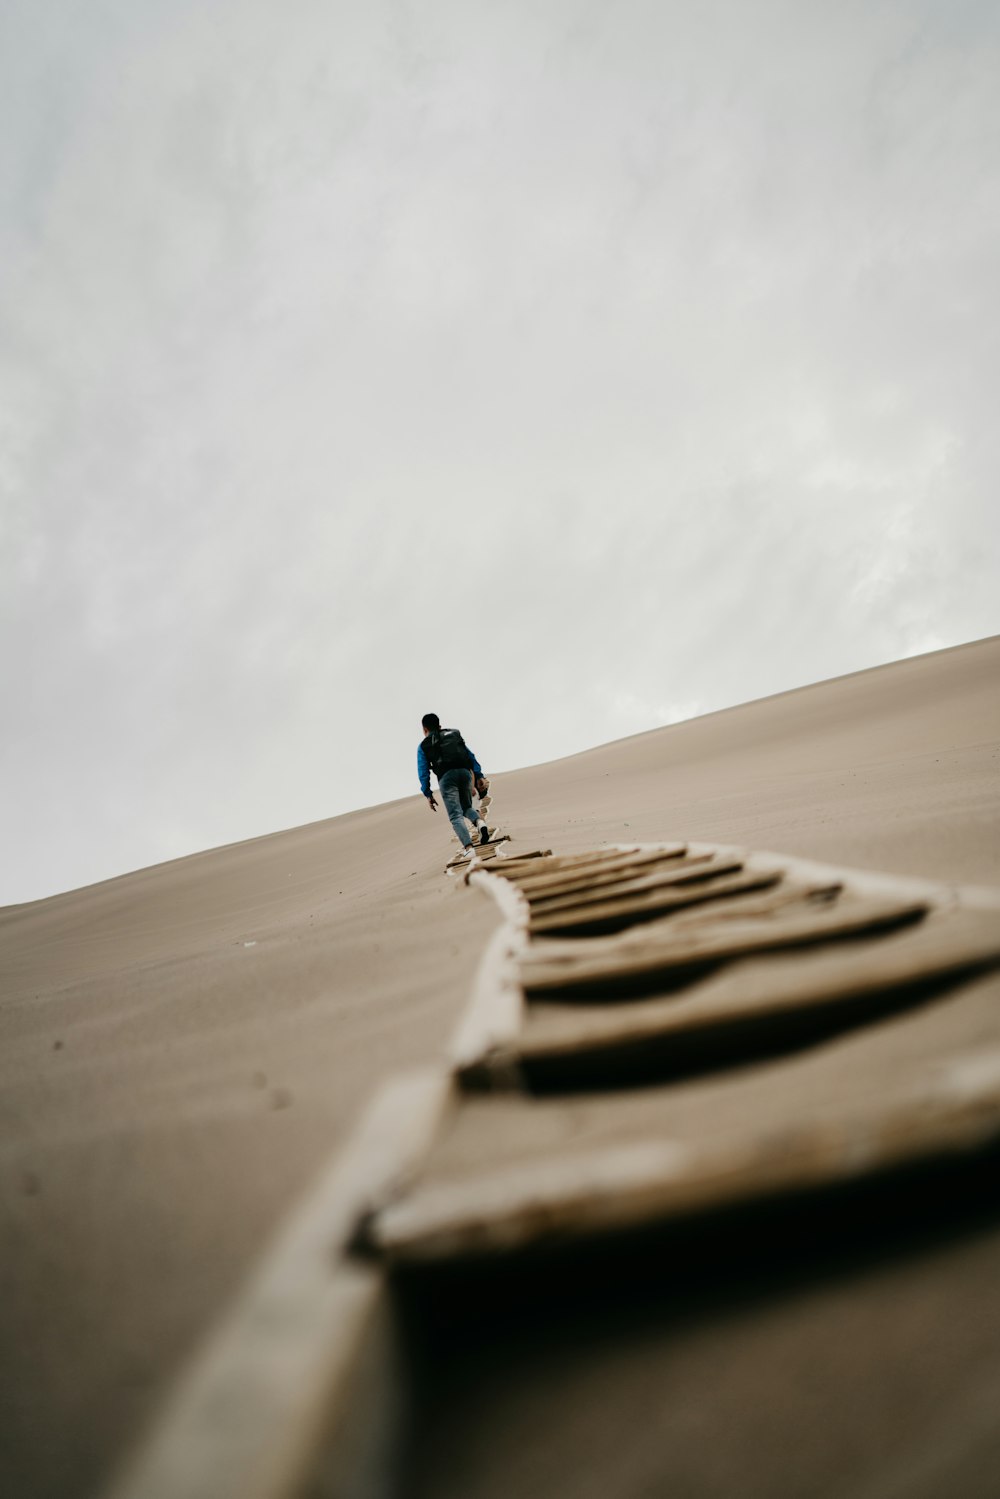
183 1047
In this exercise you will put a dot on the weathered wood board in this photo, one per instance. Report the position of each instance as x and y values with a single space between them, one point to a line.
661 950
708 947
647 1179
771 991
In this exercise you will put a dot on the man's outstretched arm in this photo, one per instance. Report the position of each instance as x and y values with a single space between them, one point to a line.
424 776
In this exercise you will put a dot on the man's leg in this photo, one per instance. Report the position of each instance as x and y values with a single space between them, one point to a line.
465 792
451 786
471 812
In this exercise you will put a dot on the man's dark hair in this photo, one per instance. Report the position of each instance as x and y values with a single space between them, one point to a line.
430 721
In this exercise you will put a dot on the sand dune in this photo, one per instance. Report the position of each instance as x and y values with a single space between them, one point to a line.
183 1047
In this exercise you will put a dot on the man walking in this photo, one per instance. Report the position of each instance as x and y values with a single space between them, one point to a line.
446 753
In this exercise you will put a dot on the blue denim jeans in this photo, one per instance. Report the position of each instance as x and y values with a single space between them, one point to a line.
455 787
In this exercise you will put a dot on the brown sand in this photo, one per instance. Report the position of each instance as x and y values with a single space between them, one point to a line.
167 1090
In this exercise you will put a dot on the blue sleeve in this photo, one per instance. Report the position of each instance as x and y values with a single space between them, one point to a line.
423 771
477 769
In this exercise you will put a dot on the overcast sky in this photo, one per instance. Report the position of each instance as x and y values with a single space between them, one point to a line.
563 368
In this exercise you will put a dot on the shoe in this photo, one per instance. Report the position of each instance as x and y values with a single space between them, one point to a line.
485 833
468 852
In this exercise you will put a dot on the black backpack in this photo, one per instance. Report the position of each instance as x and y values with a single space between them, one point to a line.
446 750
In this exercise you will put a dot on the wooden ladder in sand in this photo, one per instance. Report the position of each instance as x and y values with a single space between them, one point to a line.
598 1088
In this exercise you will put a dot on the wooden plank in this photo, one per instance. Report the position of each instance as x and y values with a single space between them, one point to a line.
549 880
575 968
612 914
769 990
596 866
623 883
617 875
752 906
577 862
943 1111
250 1417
